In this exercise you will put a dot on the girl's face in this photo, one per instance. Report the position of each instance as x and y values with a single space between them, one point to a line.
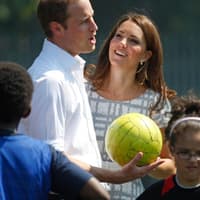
128 46
187 158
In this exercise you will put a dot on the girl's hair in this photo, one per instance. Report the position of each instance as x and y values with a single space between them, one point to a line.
185 110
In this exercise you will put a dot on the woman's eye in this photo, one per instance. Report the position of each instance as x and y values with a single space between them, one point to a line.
133 40
117 35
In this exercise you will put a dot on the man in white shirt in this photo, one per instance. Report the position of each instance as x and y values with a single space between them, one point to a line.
60 110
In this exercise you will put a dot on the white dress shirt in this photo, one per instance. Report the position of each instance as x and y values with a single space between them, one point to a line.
60 110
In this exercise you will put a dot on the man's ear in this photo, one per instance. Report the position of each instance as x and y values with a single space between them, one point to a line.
56 28
27 112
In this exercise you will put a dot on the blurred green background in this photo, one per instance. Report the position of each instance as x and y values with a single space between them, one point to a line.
21 37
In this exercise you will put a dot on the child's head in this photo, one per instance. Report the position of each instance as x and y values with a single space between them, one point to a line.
16 90
183 133
183 107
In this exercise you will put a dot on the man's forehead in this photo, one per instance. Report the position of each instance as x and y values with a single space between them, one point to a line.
80 9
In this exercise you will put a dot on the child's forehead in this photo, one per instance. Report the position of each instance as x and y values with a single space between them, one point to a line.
189 139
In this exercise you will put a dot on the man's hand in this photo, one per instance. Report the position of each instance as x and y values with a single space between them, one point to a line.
128 172
131 171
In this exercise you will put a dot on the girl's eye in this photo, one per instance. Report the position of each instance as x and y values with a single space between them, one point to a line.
198 153
183 152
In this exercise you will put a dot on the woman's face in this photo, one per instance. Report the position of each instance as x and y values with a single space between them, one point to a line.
186 153
128 46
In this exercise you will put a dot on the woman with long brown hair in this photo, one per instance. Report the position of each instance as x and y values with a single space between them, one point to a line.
129 77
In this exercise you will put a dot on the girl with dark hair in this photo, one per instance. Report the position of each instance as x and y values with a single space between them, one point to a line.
183 133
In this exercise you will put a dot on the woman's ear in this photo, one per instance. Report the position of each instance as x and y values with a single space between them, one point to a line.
147 55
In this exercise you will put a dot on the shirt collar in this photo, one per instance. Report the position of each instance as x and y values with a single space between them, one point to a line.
63 57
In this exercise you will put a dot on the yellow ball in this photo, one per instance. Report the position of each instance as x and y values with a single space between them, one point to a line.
132 133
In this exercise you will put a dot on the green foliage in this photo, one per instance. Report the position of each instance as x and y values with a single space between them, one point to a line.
4 12
19 10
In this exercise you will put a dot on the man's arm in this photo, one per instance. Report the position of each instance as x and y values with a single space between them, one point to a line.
127 173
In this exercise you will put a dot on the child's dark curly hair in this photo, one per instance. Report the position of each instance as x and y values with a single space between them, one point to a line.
184 106
16 90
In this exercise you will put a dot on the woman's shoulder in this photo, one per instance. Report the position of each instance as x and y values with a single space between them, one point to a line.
151 94
88 85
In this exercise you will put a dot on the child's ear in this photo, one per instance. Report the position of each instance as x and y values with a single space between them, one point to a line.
27 112
171 148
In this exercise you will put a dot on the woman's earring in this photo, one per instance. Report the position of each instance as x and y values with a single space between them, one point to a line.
141 63
141 66
142 72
